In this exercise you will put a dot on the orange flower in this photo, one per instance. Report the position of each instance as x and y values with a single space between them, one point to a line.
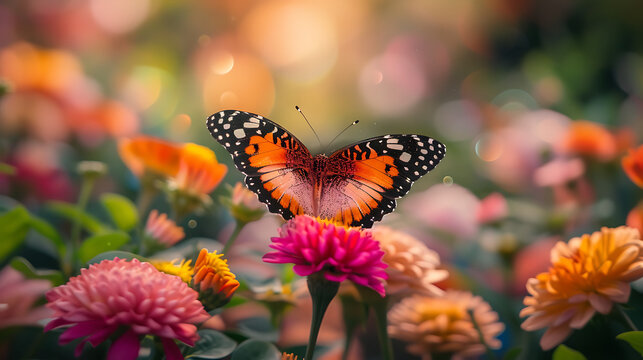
633 165
589 139
213 279
588 274
635 218
199 172
412 267
288 356
146 153
443 325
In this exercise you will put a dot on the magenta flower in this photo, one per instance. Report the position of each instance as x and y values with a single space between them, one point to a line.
341 253
130 295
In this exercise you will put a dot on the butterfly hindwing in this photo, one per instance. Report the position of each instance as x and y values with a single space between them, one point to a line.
272 159
375 172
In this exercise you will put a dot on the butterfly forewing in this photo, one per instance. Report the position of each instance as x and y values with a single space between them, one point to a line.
273 160
373 173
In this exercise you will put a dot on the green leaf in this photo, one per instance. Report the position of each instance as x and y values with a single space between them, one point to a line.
72 213
24 266
512 353
45 229
97 244
258 327
256 350
121 210
634 338
7 169
110 255
14 226
212 345
563 352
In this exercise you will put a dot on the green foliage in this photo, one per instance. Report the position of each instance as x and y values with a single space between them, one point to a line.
97 244
24 266
71 212
634 338
14 226
563 352
7 169
512 353
212 345
121 210
49 232
256 350
109 255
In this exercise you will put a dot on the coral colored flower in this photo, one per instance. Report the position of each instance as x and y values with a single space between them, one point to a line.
531 261
588 274
443 325
633 165
146 153
199 172
492 208
340 252
589 139
162 229
183 270
635 218
18 297
412 267
213 279
243 204
559 172
129 295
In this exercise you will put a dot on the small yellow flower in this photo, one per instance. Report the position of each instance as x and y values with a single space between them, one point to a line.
588 274
213 279
183 270
442 325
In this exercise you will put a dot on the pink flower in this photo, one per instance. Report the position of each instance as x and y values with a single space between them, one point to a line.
18 297
131 295
342 253
163 229
492 208
559 172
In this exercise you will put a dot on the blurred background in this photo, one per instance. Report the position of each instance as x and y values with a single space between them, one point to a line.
536 101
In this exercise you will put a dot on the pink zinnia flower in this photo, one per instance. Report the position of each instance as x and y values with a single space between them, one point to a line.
163 229
133 295
342 253
18 297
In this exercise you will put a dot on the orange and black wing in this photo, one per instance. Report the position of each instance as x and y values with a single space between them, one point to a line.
364 179
273 160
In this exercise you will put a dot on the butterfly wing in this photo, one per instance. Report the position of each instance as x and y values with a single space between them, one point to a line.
274 161
363 180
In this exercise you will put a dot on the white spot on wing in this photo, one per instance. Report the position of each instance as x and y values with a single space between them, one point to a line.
239 133
405 157
395 146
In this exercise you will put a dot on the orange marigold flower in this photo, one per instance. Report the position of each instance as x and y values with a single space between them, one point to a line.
147 153
162 229
412 267
288 356
588 274
633 165
444 324
198 172
213 279
589 139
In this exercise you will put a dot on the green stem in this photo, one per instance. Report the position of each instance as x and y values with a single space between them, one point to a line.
235 234
322 292
379 305
490 354
625 319
83 199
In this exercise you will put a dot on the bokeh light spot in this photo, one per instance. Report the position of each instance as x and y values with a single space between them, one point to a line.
447 180
489 147
192 223
222 62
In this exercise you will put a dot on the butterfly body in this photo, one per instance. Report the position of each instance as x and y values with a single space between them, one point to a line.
355 185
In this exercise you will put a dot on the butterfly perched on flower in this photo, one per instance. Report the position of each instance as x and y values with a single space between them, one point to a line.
356 185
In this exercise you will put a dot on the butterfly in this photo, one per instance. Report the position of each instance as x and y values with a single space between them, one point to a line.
356 185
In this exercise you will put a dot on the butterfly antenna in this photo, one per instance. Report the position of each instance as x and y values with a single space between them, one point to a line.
308 122
343 131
